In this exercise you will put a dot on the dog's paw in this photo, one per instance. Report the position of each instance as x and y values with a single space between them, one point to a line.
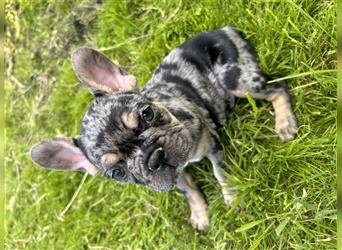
229 195
200 220
228 199
286 127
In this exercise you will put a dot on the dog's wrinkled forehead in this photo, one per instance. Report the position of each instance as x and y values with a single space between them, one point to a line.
111 123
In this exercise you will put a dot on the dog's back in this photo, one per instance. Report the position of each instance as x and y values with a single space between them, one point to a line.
204 70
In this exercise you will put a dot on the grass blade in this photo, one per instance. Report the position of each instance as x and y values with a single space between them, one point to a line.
253 104
61 215
249 226
282 225
316 72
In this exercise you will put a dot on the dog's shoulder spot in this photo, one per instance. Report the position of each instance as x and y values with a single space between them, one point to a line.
232 76
130 120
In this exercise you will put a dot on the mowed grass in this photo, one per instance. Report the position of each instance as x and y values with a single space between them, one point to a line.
287 191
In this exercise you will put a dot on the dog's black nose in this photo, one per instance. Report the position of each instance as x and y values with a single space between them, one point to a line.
156 158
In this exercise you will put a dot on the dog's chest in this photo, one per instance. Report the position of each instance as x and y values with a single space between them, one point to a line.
202 147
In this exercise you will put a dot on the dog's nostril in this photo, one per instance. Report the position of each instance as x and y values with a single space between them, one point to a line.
155 159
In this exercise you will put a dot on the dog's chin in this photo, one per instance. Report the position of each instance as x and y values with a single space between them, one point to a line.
162 188
163 179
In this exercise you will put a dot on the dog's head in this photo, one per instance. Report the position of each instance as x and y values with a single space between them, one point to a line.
123 135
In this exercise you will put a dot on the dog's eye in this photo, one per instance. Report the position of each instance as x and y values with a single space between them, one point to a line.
147 114
118 173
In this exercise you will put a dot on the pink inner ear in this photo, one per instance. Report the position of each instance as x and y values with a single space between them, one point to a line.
125 82
99 74
75 160
90 168
111 78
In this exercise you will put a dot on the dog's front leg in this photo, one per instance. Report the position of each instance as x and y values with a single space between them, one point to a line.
199 209
216 158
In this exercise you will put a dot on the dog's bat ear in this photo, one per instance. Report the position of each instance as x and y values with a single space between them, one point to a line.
61 154
99 74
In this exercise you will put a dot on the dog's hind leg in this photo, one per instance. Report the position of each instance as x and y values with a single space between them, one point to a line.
244 76
277 94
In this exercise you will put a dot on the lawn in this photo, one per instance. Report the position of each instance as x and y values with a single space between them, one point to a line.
287 191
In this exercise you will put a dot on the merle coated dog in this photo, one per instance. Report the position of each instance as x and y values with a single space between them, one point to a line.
148 137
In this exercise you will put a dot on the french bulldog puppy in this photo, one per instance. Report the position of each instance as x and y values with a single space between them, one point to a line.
148 137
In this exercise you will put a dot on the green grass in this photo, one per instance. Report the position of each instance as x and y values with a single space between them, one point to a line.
287 190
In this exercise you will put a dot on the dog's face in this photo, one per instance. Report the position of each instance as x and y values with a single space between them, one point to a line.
125 136
133 139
